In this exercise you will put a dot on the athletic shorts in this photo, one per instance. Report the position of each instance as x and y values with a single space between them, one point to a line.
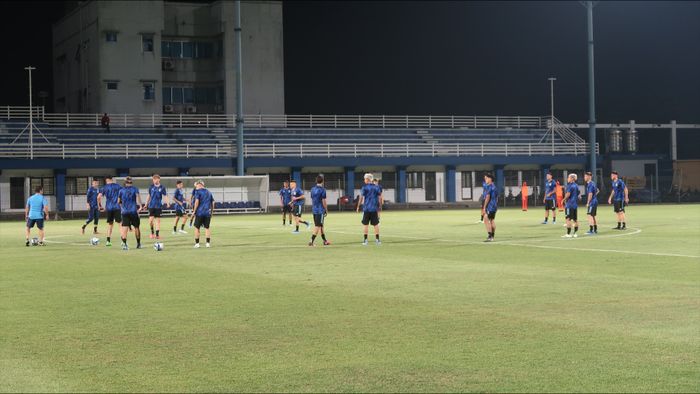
318 219
200 221
179 213
297 211
491 215
572 214
131 219
549 205
114 215
155 212
619 206
286 209
39 223
370 218
592 210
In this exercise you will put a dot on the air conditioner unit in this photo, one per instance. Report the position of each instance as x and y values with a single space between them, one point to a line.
168 109
168 65
191 109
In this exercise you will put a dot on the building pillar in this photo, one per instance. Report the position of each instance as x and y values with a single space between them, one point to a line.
350 182
296 175
674 143
500 179
450 184
401 184
60 189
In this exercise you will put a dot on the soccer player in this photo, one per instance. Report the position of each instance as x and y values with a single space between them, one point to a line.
550 191
92 206
484 186
179 202
591 203
203 208
369 200
130 203
571 201
490 206
319 208
156 194
297 204
285 199
381 196
36 211
110 192
620 196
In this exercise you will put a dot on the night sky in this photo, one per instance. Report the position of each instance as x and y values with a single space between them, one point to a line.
443 58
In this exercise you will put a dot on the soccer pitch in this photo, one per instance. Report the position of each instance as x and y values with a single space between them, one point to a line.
431 309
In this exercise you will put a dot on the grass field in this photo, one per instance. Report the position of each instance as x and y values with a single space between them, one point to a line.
432 309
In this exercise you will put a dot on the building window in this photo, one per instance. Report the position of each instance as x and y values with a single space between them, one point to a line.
414 180
388 180
176 49
177 95
112 85
510 177
167 96
149 92
188 95
111 36
46 183
76 186
187 50
466 179
147 42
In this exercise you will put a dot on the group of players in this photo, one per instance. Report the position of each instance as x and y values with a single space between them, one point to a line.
122 204
619 198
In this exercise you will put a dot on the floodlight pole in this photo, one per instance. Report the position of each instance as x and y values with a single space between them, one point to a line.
551 95
240 169
31 115
591 94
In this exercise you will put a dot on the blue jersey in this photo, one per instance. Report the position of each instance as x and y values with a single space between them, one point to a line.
296 192
318 194
206 202
371 194
286 194
618 187
592 188
550 187
492 191
36 204
179 196
91 195
484 190
572 201
111 194
127 197
156 193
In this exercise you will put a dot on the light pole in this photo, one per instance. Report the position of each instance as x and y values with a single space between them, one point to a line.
240 166
551 99
591 92
31 115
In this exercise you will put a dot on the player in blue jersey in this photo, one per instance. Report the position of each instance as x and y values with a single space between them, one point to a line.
179 203
110 195
92 206
571 206
297 204
619 196
591 203
550 198
319 208
203 209
130 203
285 199
35 213
370 201
156 194
490 207
484 191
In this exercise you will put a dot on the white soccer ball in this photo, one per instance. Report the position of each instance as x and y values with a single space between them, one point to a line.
158 246
94 241
35 241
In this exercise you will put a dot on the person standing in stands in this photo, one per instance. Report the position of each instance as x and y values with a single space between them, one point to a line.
92 206
36 211
105 122
285 199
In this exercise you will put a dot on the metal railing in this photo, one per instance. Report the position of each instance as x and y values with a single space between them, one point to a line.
126 151
281 121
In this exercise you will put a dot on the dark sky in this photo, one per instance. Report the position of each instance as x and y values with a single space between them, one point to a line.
442 58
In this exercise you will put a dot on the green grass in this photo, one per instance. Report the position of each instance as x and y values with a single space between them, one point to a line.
432 309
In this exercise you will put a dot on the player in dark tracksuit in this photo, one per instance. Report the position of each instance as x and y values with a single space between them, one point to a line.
92 206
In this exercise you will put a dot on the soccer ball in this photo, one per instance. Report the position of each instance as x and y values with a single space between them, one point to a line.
94 241
158 246
35 241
